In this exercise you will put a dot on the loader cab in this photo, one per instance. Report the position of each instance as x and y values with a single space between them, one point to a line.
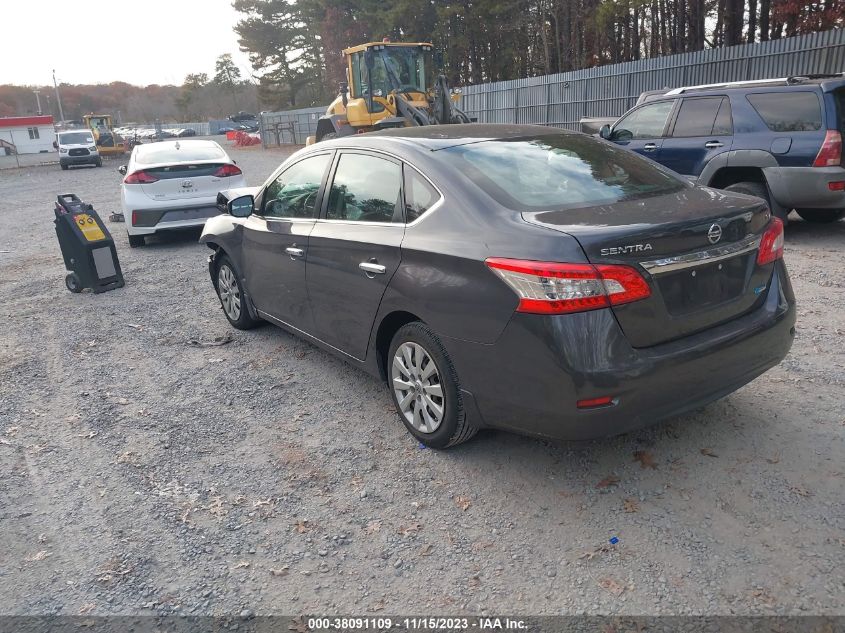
377 69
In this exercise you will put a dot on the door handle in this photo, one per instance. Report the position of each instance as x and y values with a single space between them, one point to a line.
713 144
649 147
372 269
294 252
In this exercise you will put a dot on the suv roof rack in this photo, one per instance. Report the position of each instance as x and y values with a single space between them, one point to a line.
751 82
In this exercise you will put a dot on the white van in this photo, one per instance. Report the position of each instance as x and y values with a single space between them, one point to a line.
76 147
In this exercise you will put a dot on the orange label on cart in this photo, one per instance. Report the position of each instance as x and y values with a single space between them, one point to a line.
89 227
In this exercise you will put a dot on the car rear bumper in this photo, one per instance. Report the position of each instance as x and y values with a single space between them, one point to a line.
149 221
806 187
531 379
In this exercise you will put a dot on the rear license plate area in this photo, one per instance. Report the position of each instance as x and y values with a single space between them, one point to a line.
694 289
177 215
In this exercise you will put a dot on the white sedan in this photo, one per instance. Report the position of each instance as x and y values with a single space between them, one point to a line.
174 185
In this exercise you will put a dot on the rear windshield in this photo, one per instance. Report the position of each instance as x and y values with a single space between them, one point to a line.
788 111
558 171
75 138
186 153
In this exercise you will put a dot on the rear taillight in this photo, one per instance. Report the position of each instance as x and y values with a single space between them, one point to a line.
555 288
595 403
134 218
771 244
228 170
139 178
830 154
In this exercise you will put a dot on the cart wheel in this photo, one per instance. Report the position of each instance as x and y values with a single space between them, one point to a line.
72 282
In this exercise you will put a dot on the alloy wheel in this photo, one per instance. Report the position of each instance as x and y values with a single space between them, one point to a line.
230 293
417 387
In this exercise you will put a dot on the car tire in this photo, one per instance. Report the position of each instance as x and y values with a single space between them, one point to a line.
760 190
64 167
230 291
425 388
136 240
99 163
821 216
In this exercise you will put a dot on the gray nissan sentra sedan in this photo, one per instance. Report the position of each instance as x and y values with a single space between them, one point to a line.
514 277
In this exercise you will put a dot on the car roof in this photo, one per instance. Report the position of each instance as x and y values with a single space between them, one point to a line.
435 137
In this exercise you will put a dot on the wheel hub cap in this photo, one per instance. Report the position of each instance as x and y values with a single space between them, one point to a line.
230 294
417 387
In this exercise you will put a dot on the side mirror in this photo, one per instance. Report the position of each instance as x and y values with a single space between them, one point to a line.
344 88
241 207
122 170
604 132
55 145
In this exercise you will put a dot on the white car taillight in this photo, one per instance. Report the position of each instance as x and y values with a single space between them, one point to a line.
557 288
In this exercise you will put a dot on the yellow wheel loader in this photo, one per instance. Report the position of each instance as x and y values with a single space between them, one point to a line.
389 84
107 141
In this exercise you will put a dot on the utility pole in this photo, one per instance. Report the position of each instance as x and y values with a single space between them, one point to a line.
38 100
58 98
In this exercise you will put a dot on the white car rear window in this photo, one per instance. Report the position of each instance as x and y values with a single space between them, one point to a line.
185 153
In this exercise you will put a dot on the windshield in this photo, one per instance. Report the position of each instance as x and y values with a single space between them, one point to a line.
401 68
177 153
558 171
75 138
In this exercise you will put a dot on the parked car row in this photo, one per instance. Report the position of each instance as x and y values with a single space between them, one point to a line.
146 133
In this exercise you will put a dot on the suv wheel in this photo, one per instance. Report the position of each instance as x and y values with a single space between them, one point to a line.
821 215
758 189
425 388
231 295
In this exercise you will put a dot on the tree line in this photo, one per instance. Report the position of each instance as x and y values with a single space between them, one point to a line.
201 97
294 45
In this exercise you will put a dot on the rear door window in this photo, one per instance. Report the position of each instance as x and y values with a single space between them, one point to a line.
724 125
697 117
645 122
420 195
788 111
366 188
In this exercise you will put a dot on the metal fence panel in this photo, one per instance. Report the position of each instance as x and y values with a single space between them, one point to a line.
563 99
608 91
290 126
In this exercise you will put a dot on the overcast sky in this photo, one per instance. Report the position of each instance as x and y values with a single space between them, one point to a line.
100 41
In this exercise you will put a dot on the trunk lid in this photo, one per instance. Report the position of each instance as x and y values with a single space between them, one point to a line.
696 248
184 181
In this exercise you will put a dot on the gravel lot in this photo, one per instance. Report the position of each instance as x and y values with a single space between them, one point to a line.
145 474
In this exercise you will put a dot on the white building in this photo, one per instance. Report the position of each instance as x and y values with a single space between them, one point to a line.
26 134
